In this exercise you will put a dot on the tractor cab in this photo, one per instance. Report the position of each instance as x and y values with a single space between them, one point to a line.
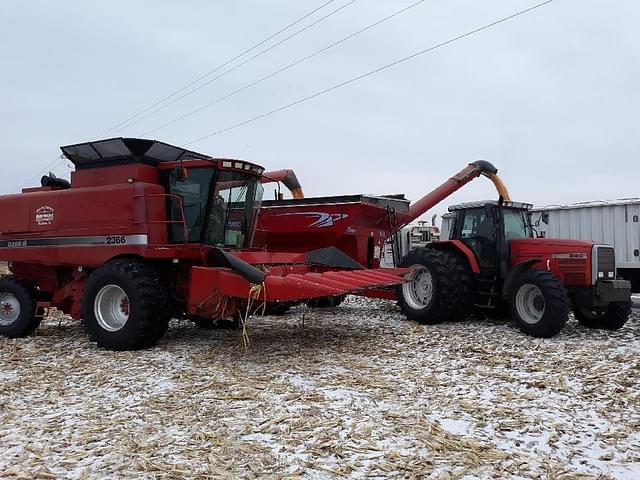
487 228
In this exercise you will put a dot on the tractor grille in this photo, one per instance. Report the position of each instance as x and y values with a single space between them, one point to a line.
606 259
605 263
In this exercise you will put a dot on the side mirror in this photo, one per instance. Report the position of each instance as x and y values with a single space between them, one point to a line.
545 218
181 174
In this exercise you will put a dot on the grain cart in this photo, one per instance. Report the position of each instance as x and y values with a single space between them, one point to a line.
146 231
492 262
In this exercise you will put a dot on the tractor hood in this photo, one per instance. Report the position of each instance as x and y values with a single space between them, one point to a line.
550 245
545 247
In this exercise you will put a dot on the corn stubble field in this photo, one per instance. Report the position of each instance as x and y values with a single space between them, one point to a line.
351 392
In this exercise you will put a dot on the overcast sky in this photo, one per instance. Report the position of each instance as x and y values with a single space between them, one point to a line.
551 98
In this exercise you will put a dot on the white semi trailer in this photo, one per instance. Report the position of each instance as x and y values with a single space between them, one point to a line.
614 222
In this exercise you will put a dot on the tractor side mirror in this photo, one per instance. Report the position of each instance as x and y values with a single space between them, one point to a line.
545 218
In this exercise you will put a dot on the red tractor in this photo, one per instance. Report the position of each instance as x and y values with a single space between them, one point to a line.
146 231
492 263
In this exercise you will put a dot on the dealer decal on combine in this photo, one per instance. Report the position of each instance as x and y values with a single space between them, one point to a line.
45 216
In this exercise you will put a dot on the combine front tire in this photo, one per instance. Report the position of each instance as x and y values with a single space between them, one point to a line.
17 308
440 288
125 305
612 317
539 303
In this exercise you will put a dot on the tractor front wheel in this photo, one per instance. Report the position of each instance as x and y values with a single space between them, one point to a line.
612 317
539 303
125 306
17 308
440 287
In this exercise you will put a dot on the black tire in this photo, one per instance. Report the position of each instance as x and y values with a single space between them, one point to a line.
209 324
451 284
612 317
147 305
326 302
539 303
277 309
16 293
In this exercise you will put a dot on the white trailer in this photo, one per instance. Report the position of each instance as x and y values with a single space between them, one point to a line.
615 222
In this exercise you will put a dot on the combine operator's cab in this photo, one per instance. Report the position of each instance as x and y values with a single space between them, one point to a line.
492 264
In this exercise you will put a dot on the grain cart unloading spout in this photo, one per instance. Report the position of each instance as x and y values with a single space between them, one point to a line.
453 184
288 178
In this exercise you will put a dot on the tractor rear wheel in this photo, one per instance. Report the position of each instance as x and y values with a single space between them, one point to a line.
439 289
17 308
125 306
539 303
612 317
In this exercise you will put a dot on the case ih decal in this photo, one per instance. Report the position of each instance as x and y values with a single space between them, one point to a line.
322 219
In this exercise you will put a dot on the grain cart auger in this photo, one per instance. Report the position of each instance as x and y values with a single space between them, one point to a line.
146 231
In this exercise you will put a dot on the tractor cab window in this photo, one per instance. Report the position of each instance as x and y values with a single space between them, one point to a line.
477 231
234 208
516 224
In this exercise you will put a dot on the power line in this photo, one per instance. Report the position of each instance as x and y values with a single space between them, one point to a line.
370 73
226 72
211 72
283 69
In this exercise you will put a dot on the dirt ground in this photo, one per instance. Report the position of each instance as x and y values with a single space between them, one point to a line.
352 392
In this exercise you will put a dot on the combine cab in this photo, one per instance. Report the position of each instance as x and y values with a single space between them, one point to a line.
147 230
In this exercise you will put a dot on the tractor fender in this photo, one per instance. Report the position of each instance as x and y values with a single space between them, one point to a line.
513 274
461 248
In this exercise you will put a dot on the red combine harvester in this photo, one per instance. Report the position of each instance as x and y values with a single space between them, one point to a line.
146 231
491 264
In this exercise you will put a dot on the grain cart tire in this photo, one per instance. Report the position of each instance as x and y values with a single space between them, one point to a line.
539 303
326 302
125 306
17 308
439 289
612 317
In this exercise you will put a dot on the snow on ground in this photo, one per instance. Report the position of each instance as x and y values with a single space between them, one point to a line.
351 392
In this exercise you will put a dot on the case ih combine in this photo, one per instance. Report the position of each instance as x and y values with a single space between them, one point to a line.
144 231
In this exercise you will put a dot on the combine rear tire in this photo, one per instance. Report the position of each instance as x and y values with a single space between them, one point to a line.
612 317
125 306
440 288
539 303
17 308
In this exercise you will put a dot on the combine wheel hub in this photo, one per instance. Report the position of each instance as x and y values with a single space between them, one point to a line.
9 308
111 307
